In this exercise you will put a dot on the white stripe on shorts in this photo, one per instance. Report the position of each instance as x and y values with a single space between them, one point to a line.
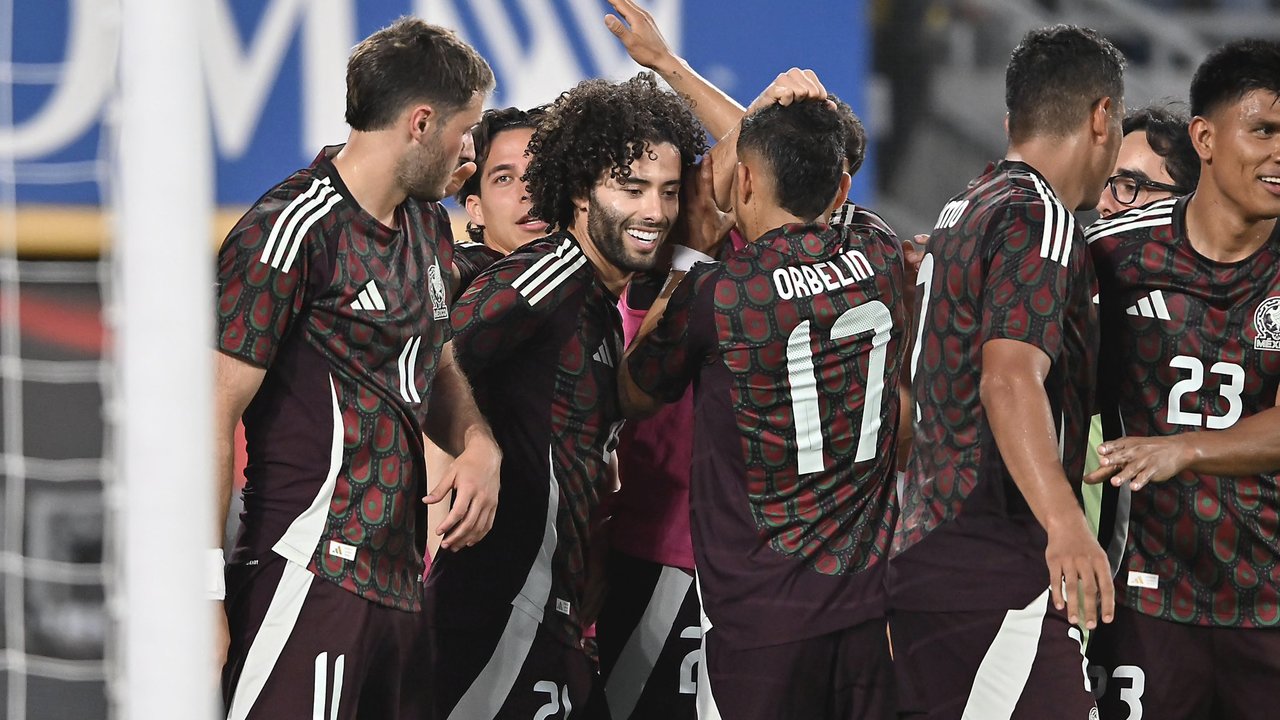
277 626
704 701
635 663
1003 674
491 687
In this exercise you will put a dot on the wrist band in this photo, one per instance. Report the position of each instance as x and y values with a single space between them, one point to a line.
216 586
684 258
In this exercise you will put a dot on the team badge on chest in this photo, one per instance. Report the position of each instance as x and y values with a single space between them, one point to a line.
435 285
1266 320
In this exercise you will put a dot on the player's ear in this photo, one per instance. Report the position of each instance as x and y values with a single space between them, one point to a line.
743 177
1201 132
842 193
1100 120
421 118
474 211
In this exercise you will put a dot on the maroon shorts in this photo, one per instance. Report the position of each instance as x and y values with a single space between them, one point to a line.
302 647
509 668
1023 664
650 640
1143 667
844 675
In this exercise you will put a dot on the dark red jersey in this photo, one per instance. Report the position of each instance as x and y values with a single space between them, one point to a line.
793 344
470 259
540 337
348 318
1006 260
1190 344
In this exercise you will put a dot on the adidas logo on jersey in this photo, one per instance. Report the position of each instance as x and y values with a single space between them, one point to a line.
604 354
369 299
1151 306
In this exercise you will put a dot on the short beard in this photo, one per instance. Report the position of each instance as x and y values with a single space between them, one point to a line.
605 228
424 172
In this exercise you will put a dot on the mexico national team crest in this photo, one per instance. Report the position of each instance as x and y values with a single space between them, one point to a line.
435 284
1267 322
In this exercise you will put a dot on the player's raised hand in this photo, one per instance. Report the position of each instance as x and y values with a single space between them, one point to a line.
794 85
1079 572
1141 460
639 34
466 165
701 225
474 476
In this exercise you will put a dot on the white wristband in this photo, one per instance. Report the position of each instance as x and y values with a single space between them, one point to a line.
684 258
217 581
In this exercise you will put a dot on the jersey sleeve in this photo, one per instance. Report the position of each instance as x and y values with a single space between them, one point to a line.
501 309
1026 288
262 280
664 362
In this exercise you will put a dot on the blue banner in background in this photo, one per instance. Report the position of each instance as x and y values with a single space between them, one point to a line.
274 71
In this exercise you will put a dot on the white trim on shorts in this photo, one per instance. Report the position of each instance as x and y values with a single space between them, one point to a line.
268 643
705 701
635 663
490 689
1005 668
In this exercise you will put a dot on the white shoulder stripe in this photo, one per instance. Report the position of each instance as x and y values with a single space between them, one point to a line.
296 221
1161 208
534 269
556 281
1096 233
306 225
317 185
1059 226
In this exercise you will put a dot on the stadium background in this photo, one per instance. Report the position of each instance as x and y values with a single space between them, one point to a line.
925 75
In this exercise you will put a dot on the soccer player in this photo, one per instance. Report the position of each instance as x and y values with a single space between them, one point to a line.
1156 161
1190 370
496 197
992 543
335 347
539 335
791 343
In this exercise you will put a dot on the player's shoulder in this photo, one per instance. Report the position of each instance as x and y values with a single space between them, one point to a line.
865 228
1138 224
545 268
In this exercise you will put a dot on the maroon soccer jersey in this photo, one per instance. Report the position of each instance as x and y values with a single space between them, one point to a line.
348 317
794 345
470 259
1005 261
539 336
1191 344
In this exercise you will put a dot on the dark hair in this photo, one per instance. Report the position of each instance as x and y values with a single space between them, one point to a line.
600 126
492 122
1054 78
855 136
803 144
1232 71
411 61
1166 130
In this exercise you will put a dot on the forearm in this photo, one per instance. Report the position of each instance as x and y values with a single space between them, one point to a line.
454 420
717 112
223 481
1250 447
1021 421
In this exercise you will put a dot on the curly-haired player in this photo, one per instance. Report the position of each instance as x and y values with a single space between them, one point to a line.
540 337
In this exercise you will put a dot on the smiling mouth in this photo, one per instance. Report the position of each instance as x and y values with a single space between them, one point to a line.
645 237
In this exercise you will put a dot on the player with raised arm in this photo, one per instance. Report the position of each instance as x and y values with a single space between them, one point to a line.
334 345
1156 161
791 342
538 333
1190 372
992 543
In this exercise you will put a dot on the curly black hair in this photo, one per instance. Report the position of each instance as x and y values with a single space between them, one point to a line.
1166 129
599 127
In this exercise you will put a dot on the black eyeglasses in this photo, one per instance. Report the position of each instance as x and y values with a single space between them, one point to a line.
1125 187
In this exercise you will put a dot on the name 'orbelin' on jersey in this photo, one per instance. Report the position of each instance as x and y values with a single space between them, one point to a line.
794 343
1189 344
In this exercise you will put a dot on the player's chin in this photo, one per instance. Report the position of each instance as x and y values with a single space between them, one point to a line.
641 261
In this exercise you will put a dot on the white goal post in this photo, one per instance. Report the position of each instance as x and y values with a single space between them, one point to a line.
162 493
